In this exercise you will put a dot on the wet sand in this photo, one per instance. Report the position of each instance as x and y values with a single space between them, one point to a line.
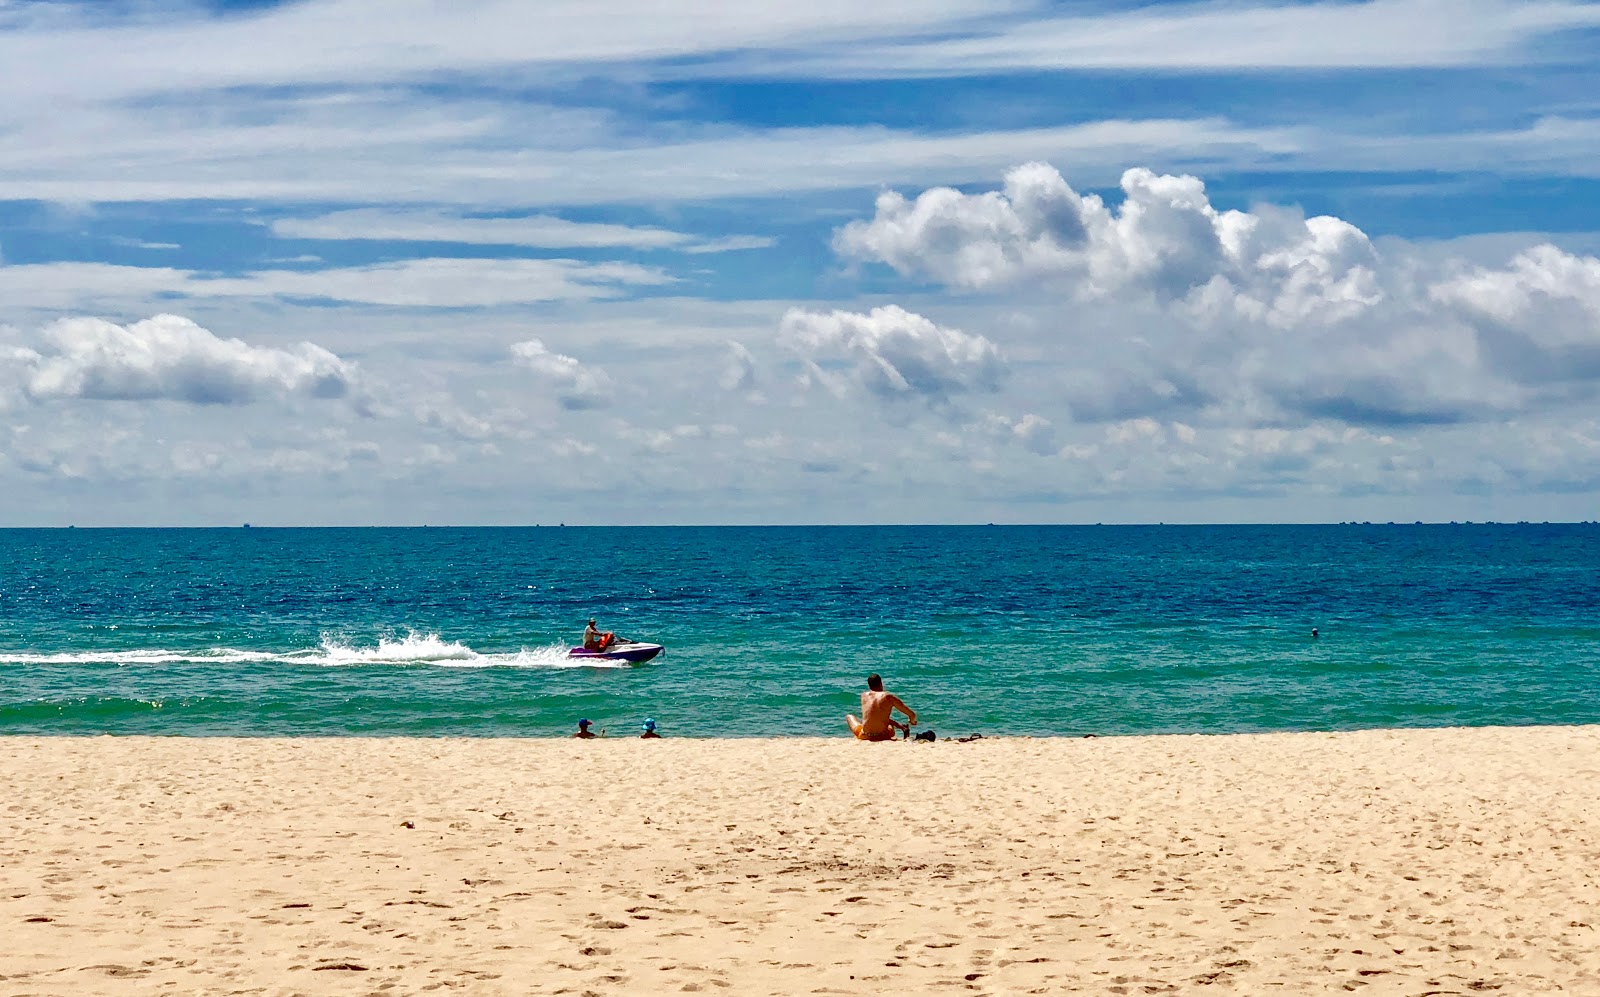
1379 862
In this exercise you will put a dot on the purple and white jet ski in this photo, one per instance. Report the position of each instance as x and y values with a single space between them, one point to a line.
632 651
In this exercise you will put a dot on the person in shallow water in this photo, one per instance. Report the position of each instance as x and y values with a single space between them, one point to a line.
649 729
876 723
585 732
594 640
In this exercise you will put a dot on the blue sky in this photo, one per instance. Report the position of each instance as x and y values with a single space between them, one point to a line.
341 261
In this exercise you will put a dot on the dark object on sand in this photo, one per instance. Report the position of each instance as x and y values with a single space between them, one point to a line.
926 735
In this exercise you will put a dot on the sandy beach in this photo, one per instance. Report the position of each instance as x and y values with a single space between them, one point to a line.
1382 862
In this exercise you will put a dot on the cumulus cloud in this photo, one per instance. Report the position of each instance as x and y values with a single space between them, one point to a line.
1256 318
1165 238
170 357
1465 345
575 385
893 354
1539 316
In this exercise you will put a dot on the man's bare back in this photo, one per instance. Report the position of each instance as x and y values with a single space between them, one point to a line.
876 723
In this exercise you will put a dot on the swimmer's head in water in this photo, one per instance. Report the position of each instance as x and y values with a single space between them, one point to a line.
649 724
875 682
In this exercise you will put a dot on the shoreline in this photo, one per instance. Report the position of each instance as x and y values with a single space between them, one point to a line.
842 737
1456 860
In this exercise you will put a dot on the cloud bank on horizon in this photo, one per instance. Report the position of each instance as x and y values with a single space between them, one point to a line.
975 260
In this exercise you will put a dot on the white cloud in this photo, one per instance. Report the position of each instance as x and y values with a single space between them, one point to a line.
1225 36
394 148
434 282
451 419
1394 368
1564 142
1033 433
1168 308
740 372
82 287
170 357
540 231
575 385
730 244
118 240
443 282
1145 457
1165 237
73 53
56 54
331 455
660 441
894 354
398 148
333 101
503 427
1539 315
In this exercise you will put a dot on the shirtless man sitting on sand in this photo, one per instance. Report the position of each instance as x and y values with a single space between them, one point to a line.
876 724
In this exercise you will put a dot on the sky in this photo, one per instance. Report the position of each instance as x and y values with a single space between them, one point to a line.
396 262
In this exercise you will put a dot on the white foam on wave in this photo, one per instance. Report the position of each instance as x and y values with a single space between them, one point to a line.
153 656
549 656
333 651
431 649
412 648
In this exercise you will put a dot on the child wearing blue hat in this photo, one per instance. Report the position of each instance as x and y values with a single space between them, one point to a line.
649 729
585 732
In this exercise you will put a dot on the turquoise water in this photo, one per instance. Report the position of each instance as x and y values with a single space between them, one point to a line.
771 631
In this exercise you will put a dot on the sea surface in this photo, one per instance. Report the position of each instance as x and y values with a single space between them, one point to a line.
771 631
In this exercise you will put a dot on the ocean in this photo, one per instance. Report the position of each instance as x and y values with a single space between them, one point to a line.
771 631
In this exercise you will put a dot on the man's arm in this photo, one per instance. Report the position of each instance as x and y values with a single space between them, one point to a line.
895 703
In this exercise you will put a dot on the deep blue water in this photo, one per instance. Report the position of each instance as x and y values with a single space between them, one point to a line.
771 630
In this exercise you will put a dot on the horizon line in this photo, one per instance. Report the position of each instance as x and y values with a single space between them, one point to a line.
775 526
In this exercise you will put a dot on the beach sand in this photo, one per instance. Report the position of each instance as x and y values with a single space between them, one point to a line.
1379 862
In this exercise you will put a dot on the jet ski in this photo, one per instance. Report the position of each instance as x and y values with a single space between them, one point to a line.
623 650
